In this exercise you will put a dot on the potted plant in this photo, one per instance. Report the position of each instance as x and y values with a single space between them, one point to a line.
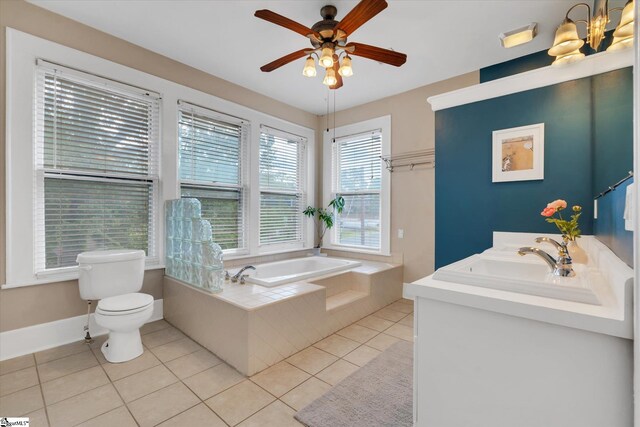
323 218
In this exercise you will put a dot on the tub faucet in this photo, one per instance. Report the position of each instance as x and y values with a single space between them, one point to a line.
559 267
238 275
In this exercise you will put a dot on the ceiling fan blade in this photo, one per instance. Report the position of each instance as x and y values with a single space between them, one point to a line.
376 53
336 67
284 60
364 11
285 22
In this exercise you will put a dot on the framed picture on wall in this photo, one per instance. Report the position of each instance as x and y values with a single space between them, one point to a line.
518 153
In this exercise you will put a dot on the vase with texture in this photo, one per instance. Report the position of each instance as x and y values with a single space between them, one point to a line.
577 254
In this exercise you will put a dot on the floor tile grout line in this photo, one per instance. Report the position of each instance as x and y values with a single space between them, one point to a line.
21 389
44 402
175 415
60 357
190 408
117 392
247 417
151 392
192 391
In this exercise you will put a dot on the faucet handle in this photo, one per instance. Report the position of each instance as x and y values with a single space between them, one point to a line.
227 276
242 281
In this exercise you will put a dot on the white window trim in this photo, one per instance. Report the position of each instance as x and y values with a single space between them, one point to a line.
307 234
384 124
245 169
41 172
22 51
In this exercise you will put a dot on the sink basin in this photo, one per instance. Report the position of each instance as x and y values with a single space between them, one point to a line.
526 277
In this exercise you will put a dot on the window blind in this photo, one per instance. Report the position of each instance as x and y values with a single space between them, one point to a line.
96 166
282 196
357 172
212 169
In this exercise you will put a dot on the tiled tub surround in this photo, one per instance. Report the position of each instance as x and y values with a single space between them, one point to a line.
177 382
253 327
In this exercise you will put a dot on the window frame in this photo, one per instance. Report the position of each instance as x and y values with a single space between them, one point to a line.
22 52
301 192
42 172
330 179
245 126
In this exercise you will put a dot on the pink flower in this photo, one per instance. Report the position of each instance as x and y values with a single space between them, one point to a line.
557 204
548 211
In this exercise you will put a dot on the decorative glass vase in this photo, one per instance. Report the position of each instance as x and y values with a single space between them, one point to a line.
577 254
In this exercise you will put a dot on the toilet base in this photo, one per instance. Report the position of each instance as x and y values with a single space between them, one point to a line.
122 346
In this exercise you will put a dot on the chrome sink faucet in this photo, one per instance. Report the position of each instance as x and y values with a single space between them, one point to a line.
239 275
559 246
559 267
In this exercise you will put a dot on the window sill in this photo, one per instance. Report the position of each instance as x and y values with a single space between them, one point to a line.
60 275
266 253
356 250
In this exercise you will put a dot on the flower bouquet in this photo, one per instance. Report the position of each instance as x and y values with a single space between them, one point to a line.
570 229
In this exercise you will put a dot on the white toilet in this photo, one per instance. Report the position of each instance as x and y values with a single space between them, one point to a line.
114 277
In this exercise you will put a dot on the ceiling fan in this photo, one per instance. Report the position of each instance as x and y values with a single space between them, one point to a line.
329 42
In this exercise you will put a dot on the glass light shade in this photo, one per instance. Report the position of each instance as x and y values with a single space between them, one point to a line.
330 78
568 58
625 27
619 43
345 69
566 40
326 58
518 36
309 69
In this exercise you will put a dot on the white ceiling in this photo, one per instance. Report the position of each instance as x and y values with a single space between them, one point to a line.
441 38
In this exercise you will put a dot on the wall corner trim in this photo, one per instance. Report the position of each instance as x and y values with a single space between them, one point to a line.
541 77
43 336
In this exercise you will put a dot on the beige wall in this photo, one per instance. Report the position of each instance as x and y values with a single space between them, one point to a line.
412 192
45 303
412 129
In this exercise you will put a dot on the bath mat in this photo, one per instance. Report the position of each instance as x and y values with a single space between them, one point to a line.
379 394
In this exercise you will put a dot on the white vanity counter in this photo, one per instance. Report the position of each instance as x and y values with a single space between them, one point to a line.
613 316
491 357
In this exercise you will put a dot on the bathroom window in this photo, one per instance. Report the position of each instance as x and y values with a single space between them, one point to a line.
282 187
358 176
96 157
212 169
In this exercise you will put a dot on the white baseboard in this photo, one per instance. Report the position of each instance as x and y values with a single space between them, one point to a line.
31 339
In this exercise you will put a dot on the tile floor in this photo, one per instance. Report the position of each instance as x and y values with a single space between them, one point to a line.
177 382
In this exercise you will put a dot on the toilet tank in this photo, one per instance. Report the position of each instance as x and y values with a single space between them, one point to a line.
108 273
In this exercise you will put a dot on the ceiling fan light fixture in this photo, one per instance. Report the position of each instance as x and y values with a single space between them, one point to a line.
519 36
326 57
345 69
309 69
330 78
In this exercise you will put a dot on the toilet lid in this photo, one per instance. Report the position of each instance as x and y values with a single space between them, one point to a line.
125 302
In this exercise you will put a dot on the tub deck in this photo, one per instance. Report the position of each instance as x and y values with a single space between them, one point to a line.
253 327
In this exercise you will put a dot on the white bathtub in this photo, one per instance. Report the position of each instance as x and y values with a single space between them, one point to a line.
292 270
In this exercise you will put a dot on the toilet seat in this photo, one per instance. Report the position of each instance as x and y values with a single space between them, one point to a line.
124 304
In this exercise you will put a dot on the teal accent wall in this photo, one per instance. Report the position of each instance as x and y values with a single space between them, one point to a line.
612 127
578 158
